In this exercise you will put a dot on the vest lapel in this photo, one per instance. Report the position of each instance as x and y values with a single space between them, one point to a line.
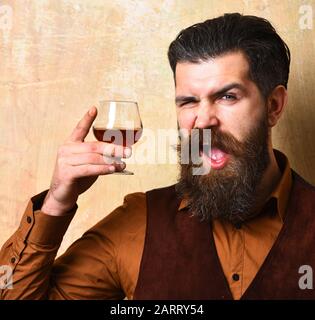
278 277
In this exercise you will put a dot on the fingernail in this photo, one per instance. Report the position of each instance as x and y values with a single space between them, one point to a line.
92 111
111 168
127 152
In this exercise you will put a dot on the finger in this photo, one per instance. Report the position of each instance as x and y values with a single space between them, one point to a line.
90 158
118 151
102 148
89 170
82 128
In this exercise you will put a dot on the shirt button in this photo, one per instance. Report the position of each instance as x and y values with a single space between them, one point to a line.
12 260
29 219
235 277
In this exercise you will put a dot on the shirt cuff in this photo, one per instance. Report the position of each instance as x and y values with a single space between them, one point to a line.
40 228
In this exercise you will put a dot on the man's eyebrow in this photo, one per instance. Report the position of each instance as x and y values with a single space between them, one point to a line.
234 85
182 99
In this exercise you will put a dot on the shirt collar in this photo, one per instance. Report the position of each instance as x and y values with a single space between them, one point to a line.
281 191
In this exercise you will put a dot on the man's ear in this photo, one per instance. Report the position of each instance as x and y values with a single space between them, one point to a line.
277 100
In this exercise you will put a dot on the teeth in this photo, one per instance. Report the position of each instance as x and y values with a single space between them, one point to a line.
216 154
217 157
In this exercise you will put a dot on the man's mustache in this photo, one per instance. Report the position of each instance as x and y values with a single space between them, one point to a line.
224 141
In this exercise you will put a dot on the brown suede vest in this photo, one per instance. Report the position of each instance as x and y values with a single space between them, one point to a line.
180 261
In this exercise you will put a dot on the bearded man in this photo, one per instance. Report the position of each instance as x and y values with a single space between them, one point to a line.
240 230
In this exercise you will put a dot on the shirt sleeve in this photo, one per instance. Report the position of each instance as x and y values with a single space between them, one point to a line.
87 270
99 265
29 253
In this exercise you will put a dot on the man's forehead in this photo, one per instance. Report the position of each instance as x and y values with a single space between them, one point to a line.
231 67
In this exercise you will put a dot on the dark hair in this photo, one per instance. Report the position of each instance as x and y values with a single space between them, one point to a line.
267 54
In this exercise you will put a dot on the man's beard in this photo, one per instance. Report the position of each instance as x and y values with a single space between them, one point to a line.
229 193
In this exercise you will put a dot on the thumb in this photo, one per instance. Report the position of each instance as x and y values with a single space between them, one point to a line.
82 128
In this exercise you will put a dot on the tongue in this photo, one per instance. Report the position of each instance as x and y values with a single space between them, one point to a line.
216 154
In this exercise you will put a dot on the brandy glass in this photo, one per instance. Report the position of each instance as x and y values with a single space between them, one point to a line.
118 122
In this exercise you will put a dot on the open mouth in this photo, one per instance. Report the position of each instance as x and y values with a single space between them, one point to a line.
216 157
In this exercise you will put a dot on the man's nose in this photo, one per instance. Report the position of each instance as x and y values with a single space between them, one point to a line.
206 115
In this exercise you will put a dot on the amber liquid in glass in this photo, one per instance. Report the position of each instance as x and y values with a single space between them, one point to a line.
124 137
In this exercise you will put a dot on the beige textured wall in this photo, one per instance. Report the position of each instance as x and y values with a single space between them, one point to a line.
58 57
